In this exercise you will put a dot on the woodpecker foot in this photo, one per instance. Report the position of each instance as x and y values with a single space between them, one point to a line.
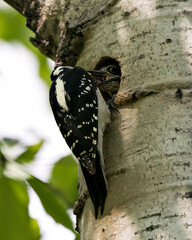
111 105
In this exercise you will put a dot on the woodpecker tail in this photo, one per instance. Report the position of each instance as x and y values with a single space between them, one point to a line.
97 187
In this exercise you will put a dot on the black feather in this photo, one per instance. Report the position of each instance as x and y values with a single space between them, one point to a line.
96 186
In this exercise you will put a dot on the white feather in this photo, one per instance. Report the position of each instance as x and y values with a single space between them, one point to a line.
103 119
57 71
60 69
61 94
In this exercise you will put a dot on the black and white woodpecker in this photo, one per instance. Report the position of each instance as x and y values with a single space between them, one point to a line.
81 114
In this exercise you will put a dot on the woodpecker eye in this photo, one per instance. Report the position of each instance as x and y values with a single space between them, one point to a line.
110 69
113 69
109 65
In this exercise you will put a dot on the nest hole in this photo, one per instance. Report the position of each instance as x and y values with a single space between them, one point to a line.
106 61
110 87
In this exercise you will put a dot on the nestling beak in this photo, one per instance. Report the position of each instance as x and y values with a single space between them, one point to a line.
99 76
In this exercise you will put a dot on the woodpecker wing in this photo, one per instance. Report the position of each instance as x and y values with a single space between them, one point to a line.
76 114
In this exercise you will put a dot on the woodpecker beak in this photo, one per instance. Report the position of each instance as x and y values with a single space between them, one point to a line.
99 76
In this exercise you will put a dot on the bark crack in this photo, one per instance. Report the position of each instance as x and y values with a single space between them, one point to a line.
132 95
149 229
151 215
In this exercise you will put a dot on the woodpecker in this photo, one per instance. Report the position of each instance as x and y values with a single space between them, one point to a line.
81 115
107 79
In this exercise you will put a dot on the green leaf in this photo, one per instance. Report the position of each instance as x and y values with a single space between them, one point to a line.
52 201
65 177
29 153
44 70
13 28
77 237
2 159
15 223
10 142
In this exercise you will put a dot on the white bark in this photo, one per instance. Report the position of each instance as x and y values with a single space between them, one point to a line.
148 146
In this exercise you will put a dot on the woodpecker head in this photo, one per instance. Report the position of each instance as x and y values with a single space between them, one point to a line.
107 79
112 70
58 71
105 73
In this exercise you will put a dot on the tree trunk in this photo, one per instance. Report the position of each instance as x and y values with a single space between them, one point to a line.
148 145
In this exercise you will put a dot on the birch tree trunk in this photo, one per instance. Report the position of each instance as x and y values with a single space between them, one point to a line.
148 146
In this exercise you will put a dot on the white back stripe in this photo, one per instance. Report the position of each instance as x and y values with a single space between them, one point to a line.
61 94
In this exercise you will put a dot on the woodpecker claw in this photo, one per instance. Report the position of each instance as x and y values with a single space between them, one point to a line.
111 105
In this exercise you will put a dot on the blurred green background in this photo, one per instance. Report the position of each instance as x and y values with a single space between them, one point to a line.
59 193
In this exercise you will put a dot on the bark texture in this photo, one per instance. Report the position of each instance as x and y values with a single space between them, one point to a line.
148 146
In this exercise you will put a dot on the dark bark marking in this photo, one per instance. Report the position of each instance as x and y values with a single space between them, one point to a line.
148 229
152 215
187 195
